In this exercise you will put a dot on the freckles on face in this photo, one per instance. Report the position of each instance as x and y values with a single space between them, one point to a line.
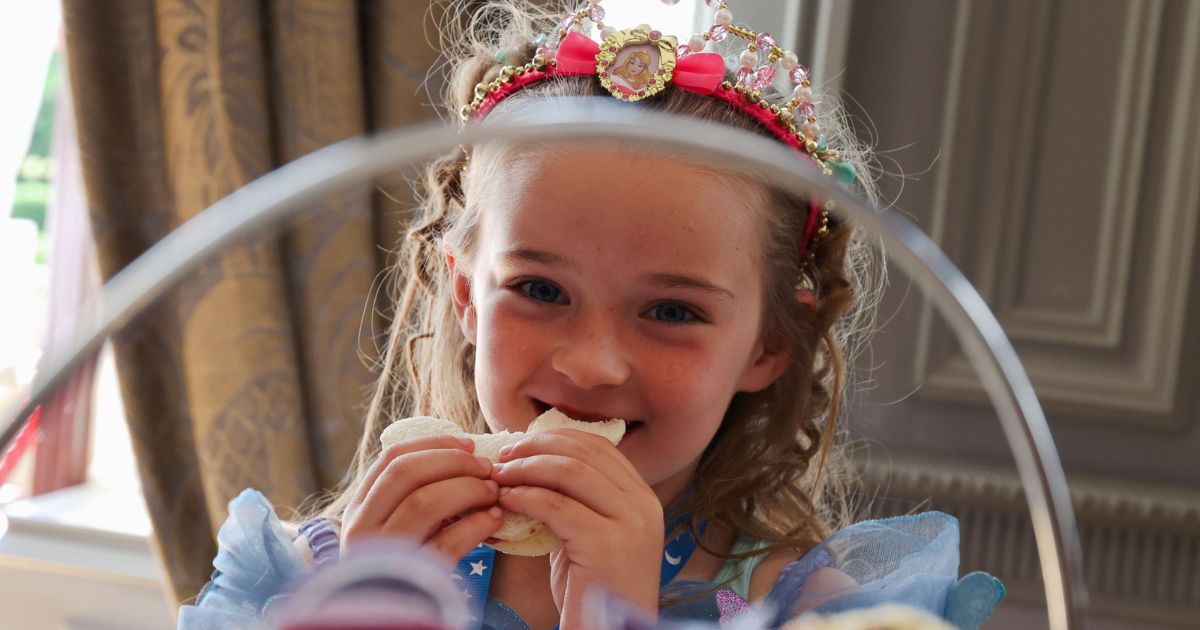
610 296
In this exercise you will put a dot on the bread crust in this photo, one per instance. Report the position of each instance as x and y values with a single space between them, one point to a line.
520 535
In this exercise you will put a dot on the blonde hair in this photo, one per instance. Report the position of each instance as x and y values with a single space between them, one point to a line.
642 77
774 469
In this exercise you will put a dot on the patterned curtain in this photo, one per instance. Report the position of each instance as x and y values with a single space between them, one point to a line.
251 374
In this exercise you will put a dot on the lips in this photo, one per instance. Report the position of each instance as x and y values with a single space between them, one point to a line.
582 415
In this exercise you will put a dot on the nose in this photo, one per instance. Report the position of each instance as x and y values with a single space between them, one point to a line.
591 355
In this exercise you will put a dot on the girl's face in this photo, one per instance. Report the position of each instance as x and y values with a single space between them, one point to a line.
635 65
608 298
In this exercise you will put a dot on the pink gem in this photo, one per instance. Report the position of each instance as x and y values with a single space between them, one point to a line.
713 3
743 75
604 74
597 13
670 3
654 35
567 21
642 93
799 74
662 71
764 41
763 77
682 51
804 111
717 33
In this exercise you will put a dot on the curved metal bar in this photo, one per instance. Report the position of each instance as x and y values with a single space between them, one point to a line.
295 187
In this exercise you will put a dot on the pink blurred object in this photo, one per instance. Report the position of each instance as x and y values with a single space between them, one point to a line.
385 584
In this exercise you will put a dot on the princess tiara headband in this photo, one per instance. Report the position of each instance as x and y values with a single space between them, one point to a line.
639 63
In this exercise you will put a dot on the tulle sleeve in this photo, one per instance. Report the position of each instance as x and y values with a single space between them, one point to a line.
910 560
256 564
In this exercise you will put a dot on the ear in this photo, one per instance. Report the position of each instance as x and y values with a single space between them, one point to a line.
766 366
807 298
769 364
460 296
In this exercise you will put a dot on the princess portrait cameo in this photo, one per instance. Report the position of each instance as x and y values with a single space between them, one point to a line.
636 63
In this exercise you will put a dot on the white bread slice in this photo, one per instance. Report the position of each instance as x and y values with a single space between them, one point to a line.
519 535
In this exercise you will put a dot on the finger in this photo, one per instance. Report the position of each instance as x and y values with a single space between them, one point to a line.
468 532
425 511
566 517
407 472
574 477
574 443
409 446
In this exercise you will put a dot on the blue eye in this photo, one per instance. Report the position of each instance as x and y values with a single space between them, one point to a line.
541 291
673 313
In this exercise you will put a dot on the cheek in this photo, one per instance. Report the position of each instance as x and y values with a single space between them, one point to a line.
509 350
685 378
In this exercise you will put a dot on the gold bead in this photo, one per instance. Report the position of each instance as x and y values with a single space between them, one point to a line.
508 72
481 91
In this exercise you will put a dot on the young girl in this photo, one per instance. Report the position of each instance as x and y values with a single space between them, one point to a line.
709 311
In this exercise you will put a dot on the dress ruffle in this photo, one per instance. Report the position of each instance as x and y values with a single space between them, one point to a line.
256 566
910 560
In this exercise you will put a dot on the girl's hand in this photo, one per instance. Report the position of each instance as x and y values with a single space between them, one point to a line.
589 494
432 489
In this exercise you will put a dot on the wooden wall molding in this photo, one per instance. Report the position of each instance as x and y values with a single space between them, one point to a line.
1018 193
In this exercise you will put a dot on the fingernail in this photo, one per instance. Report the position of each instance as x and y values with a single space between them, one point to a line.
466 441
506 450
504 491
497 469
492 486
495 512
484 463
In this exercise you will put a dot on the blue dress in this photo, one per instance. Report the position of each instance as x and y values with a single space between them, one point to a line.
909 560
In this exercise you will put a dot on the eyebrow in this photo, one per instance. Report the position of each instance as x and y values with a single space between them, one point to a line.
540 256
675 281
663 280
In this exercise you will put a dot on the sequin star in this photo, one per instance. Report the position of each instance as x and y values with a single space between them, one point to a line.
477 568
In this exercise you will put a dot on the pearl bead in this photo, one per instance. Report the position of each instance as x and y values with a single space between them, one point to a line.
749 58
789 60
803 94
696 43
724 17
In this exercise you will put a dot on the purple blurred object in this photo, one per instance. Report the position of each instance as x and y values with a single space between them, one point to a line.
384 584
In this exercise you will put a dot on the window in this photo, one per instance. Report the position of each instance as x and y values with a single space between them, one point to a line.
31 59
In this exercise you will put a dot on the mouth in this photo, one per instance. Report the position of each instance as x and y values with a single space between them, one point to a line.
585 416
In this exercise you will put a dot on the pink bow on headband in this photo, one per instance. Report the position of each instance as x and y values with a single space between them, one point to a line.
697 72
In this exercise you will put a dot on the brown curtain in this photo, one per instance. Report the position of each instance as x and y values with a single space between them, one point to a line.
250 374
